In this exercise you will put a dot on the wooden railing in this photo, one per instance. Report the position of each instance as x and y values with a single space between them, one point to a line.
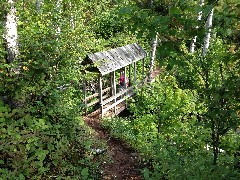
126 92
89 104
111 102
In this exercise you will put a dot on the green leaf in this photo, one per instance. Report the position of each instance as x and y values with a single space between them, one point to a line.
55 162
175 10
146 173
85 172
228 32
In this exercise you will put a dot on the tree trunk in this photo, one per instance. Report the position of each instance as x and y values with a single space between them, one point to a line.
215 142
194 40
154 47
151 4
39 3
208 33
59 11
72 22
10 34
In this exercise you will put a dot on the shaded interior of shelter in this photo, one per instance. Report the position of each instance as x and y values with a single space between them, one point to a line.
107 98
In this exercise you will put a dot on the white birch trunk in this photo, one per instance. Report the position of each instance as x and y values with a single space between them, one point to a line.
208 33
59 11
151 3
154 47
10 35
39 3
72 22
194 40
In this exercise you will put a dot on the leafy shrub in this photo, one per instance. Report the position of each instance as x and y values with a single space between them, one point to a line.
168 135
42 132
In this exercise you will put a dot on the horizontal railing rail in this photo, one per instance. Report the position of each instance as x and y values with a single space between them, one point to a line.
97 94
104 110
117 95
109 102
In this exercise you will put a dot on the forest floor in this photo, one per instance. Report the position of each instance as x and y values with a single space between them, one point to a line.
125 162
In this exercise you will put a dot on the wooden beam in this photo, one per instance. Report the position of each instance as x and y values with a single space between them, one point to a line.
116 103
120 109
92 96
135 79
129 94
125 82
111 83
117 58
100 92
125 78
129 82
143 68
128 90
92 103
106 90
96 101
84 95
114 89
97 94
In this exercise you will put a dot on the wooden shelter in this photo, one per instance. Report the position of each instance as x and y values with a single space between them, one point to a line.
109 62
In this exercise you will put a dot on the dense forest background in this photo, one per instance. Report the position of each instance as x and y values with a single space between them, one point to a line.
185 125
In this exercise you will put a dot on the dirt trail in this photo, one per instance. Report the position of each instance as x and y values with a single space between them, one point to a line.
125 162
125 165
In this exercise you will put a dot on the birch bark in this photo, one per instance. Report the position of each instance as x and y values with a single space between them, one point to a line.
151 3
72 22
59 11
39 3
194 40
154 47
10 34
208 33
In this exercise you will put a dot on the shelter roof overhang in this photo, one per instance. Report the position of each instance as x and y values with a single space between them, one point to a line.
114 59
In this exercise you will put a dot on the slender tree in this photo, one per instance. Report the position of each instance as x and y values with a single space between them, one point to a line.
72 22
208 32
194 40
151 3
58 11
39 3
154 47
10 34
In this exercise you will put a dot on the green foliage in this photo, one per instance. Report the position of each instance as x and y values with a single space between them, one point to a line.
168 134
42 132
108 24
35 147
176 120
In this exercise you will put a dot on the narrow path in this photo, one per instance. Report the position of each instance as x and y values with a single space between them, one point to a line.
125 162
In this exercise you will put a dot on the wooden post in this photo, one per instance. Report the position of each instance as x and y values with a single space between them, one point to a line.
135 79
125 83
100 93
114 89
84 95
111 83
129 80
125 78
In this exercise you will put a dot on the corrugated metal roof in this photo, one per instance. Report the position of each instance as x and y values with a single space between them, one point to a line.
114 59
